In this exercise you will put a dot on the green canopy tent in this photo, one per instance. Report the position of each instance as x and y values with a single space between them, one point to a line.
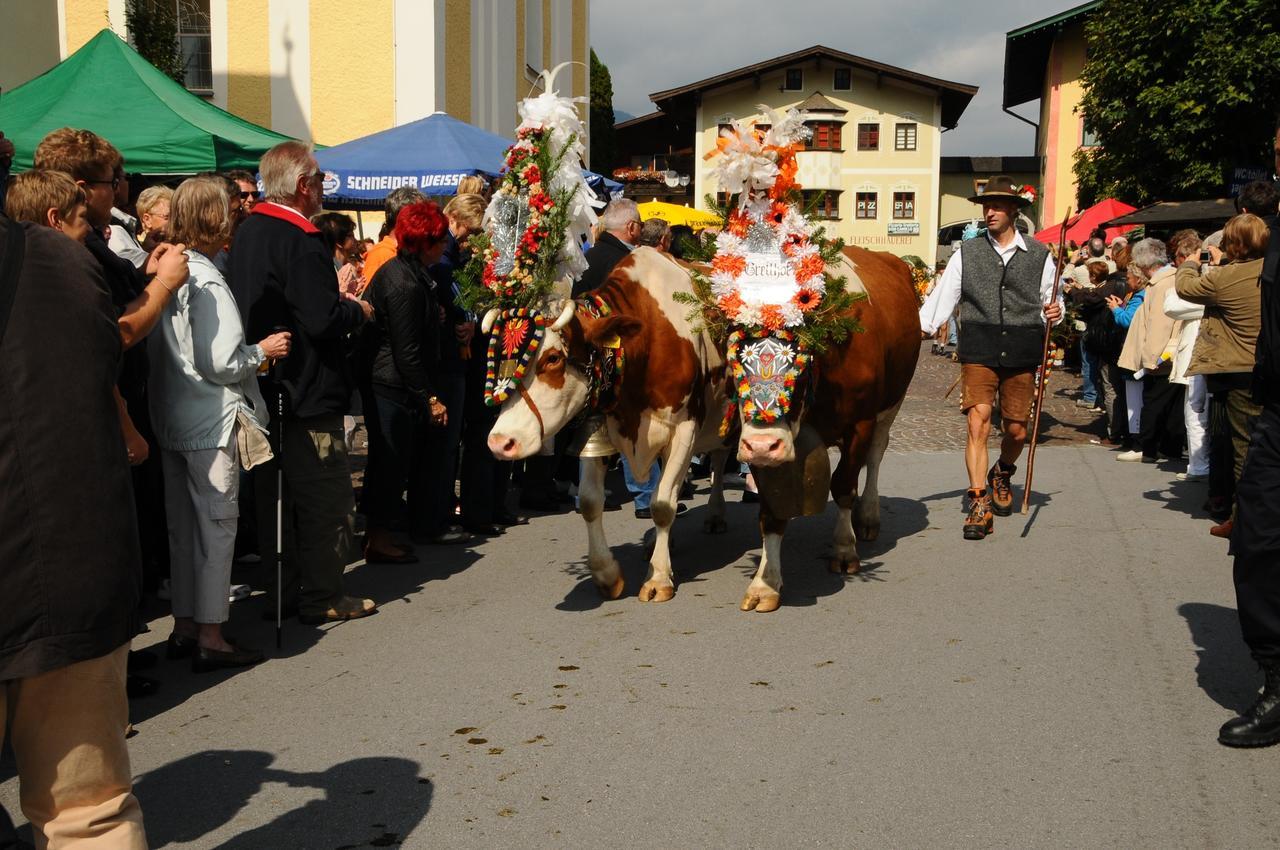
159 127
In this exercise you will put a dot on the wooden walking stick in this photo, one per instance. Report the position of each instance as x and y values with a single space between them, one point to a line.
1044 362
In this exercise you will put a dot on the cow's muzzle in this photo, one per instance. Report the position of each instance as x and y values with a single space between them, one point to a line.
769 449
505 448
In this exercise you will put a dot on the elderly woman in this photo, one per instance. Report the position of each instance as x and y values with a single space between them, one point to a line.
209 419
153 215
404 373
1224 349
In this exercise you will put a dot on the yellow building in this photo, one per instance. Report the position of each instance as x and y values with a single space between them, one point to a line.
1043 61
334 70
874 155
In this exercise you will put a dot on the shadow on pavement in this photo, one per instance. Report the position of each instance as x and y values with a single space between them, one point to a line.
365 802
1185 497
382 583
1225 671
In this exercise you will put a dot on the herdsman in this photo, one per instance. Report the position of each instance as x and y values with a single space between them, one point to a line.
1003 283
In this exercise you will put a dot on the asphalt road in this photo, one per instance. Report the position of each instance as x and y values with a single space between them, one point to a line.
1057 685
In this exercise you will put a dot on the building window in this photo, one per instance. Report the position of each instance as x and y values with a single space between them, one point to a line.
761 129
868 137
822 203
979 186
904 204
722 128
1088 138
904 137
826 136
794 80
195 41
865 206
842 79
533 35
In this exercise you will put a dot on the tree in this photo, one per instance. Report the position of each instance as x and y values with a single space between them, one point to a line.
1177 92
603 149
153 28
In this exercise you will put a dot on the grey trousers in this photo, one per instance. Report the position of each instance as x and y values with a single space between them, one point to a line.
202 503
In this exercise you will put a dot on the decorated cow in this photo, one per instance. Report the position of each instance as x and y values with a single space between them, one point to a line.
626 354
822 344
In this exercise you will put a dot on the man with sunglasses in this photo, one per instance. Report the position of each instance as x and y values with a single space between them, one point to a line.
248 188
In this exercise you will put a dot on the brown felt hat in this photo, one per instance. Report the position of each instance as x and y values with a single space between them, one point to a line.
1002 186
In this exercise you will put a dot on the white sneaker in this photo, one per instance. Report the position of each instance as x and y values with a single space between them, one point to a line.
1190 476
1130 457
239 591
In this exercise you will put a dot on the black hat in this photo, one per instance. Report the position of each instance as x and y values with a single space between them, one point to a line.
1001 186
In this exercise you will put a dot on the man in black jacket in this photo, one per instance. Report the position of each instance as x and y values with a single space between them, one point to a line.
72 584
282 276
621 223
1256 541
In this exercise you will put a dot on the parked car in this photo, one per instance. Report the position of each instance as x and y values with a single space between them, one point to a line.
950 235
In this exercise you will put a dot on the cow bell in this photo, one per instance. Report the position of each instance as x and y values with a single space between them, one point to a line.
798 488
592 439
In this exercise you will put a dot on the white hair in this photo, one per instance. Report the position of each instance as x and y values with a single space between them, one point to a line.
1149 254
282 166
620 213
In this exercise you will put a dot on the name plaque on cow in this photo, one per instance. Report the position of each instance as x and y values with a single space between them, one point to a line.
767 279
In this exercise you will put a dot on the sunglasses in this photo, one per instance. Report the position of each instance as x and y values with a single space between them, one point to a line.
245 196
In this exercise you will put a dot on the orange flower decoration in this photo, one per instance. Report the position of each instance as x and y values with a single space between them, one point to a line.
734 264
738 223
731 304
778 211
810 267
771 317
806 300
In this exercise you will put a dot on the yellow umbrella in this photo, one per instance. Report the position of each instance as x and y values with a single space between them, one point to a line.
676 214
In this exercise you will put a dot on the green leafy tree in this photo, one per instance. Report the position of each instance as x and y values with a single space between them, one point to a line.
603 148
1177 92
153 29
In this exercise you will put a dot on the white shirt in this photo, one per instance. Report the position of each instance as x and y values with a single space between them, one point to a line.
122 241
942 301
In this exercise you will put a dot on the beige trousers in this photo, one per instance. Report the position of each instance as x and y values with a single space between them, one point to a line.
67 730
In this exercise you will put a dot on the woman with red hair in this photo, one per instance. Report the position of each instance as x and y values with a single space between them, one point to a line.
405 349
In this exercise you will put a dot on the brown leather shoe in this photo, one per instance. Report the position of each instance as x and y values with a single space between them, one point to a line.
979 523
998 482
1223 529
346 608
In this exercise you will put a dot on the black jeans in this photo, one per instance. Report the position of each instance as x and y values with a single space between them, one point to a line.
431 493
1162 428
484 478
397 433
1256 540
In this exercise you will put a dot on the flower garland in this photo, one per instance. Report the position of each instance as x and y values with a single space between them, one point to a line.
519 332
762 168
608 361
1026 191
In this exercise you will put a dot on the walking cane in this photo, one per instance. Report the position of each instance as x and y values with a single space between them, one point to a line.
1044 361
279 381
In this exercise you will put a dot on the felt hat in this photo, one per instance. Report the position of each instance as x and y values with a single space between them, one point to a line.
1001 186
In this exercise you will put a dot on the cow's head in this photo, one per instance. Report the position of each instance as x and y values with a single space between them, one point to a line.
556 383
770 377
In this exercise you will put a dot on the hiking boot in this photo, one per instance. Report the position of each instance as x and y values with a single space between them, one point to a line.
1259 726
979 523
1001 489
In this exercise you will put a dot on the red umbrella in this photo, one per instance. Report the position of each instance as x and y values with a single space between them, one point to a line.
1084 223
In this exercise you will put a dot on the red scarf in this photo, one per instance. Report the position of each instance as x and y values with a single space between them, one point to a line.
284 214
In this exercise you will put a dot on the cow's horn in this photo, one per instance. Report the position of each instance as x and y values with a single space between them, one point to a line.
565 315
486 324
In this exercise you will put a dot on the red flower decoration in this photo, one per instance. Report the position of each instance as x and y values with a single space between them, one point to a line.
806 300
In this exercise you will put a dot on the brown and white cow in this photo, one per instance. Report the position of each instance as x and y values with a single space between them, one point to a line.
670 404
859 388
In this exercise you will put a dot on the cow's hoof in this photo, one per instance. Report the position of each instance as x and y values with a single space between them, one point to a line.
655 591
614 590
760 601
714 525
840 566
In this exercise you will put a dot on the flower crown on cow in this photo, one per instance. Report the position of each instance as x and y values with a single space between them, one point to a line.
771 267
530 249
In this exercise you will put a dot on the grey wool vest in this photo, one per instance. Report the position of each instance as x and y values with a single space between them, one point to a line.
1000 309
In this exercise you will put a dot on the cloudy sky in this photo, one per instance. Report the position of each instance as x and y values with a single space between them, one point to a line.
651 45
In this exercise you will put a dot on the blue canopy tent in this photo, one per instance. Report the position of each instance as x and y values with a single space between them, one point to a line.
431 154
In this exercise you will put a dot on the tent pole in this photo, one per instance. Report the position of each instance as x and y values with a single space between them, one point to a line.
360 224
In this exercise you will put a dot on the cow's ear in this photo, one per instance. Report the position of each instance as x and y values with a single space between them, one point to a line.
607 332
